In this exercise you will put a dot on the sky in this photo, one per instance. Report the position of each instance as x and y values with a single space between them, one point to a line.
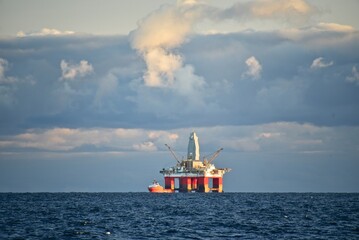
90 91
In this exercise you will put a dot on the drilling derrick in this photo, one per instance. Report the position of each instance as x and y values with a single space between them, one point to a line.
192 174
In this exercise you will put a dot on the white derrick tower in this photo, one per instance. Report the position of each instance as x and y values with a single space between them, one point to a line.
193 147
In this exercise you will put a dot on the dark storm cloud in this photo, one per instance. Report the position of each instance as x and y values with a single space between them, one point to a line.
41 99
288 89
113 94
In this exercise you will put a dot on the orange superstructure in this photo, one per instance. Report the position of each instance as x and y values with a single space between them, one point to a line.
155 187
192 174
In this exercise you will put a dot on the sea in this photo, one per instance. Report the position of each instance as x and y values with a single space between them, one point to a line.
179 216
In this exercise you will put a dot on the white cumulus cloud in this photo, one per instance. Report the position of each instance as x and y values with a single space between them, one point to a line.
254 68
320 63
71 71
160 33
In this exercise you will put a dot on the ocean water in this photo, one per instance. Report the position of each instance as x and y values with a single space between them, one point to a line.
179 216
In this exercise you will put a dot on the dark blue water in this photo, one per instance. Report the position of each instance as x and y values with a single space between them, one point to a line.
179 216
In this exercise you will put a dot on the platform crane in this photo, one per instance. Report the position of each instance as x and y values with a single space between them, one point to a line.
173 154
213 156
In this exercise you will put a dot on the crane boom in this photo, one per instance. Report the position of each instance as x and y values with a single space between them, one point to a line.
215 155
173 154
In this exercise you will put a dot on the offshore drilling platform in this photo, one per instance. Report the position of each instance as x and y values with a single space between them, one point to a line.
192 174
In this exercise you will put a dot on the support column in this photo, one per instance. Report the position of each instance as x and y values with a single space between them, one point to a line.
218 184
185 184
169 183
203 184
189 184
194 182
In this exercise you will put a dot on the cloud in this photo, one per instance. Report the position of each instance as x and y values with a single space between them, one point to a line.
285 137
270 8
321 35
8 86
145 147
323 26
158 35
161 67
67 139
167 28
320 63
107 86
3 68
267 135
354 78
243 144
209 93
254 68
295 11
45 32
280 137
157 39
71 71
